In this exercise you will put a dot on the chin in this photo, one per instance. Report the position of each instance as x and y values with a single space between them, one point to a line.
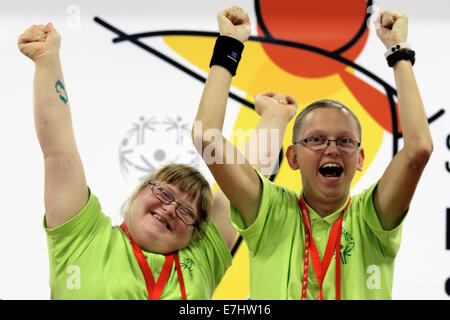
155 247
333 191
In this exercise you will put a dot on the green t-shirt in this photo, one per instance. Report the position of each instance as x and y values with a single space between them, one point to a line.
91 259
276 244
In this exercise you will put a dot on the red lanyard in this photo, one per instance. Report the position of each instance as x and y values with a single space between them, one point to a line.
155 289
333 244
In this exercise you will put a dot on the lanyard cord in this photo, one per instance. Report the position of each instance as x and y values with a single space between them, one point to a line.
155 290
333 245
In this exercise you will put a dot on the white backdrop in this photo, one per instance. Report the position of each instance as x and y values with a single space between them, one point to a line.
118 90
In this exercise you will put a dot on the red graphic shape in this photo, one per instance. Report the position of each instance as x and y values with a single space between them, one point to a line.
327 25
374 102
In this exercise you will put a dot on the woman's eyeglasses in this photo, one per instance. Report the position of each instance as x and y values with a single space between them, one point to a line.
166 197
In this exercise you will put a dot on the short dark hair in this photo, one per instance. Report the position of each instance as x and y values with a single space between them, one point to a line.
320 104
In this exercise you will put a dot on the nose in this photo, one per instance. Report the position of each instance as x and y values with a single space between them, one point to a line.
170 208
332 148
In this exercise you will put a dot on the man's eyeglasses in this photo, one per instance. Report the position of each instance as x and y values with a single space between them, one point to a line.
318 143
166 197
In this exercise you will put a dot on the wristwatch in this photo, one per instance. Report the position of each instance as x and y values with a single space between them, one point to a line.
401 55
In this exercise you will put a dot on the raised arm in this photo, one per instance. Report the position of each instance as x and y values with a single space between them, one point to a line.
239 182
263 147
261 150
398 184
65 192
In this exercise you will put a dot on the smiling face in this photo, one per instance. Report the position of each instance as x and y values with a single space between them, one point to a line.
153 224
326 174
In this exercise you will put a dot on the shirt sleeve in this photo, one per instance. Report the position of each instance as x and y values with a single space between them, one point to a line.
204 263
70 239
274 211
388 240
216 253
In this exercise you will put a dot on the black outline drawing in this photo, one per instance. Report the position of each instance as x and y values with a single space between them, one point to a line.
268 38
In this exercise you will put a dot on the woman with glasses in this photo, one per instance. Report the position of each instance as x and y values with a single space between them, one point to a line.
175 239
321 243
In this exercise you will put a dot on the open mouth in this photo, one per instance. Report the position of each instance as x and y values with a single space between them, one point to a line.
161 219
331 170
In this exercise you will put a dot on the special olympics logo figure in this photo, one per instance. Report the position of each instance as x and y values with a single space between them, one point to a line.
170 142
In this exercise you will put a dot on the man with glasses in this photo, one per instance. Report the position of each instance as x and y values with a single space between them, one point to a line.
321 243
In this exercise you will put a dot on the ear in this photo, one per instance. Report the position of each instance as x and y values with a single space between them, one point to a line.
359 165
291 156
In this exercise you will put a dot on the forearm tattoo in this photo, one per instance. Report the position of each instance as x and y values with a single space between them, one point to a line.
61 91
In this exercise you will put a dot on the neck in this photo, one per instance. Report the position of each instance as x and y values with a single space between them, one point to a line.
326 206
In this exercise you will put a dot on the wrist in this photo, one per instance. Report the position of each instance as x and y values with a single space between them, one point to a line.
227 53
400 53
232 36
399 46
277 116
46 58
402 64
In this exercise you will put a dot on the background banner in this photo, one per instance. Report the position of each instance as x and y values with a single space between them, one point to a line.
134 73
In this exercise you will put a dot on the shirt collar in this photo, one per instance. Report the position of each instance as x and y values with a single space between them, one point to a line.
330 219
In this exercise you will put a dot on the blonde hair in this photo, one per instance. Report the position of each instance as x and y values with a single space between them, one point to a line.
324 103
186 179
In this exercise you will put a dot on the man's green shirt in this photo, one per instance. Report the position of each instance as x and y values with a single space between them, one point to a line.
276 244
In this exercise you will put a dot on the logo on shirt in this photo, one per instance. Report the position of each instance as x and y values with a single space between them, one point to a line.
188 264
347 247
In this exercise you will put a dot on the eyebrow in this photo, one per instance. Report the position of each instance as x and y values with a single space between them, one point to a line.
323 133
170 188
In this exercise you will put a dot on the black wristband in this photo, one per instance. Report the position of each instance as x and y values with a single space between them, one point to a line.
401 55
227 53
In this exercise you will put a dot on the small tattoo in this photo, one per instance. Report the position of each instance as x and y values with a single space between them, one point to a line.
61 91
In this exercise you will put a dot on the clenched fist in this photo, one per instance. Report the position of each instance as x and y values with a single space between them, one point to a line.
274 104
235 23
392 28
39 41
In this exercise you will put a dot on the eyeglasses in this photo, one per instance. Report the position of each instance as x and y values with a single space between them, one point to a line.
183 213
318 143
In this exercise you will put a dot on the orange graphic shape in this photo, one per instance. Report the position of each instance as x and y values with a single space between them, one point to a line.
327 25
375 102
